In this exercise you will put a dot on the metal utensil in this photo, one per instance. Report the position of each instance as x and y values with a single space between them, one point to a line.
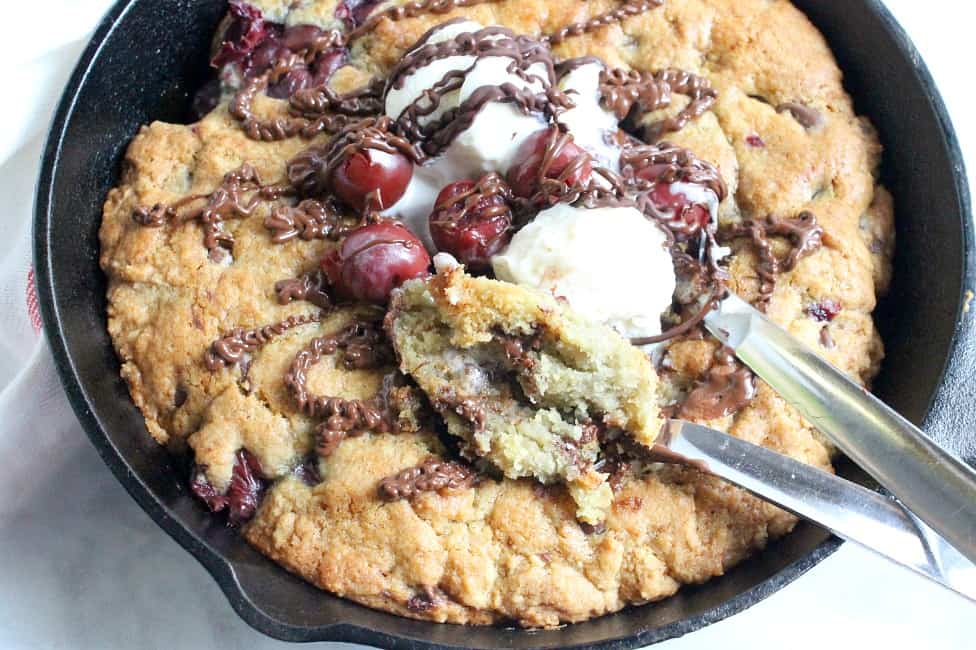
879 523
935 485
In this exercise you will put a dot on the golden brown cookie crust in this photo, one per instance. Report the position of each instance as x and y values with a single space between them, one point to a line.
510 550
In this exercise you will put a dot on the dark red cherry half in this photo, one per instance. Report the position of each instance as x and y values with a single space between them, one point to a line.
470 225
245 30
243 495
371 179
375 259
548 153
693 216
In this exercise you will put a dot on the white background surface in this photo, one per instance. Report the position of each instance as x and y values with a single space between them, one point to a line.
81 566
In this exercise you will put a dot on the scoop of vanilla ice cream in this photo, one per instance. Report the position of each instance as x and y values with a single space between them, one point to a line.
591 125
499 129
489 144
399 97
413 85
610 264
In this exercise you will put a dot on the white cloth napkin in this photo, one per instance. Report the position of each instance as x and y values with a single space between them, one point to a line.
81 566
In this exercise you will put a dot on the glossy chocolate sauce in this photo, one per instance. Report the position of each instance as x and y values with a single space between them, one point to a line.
364 347
356 121
308 220
630 94
803 232
432 475
727 388
624 11
413 10
231 348
310 287
236 197
526 55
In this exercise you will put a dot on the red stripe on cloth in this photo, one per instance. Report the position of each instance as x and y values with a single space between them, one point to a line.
33 311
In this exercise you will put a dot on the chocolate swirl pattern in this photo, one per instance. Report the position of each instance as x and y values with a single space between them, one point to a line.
619 14
228 201
432 475
365 347
631 94
231 348
803 233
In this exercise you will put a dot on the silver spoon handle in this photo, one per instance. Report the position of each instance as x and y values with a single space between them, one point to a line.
857 514
935 485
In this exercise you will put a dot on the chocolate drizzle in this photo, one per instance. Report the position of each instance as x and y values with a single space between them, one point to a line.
632 93
365 346
321 109
231 348
624 11
422 131
668 163
308 220
803 232
412 10
495 41
554 189
728 387
315 102
241 107
228 201
526 55
312 111
432 475
686 326
310 287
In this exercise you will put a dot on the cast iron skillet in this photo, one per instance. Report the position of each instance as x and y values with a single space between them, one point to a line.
142 64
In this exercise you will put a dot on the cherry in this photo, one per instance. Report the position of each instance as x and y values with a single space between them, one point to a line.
375 259
562 158
354 12
693 216
469 224
753 140
370 179
245 30
243 494
301 37
825 310
326 64
266 55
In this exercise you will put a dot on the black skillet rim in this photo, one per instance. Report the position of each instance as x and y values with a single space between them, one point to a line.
222 570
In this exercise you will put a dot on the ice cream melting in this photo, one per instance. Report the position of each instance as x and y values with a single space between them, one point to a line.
610 264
